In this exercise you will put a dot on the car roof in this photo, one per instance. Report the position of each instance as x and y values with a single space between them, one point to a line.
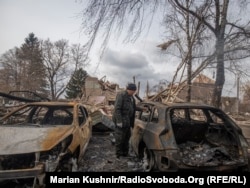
54 103
178 104
49 103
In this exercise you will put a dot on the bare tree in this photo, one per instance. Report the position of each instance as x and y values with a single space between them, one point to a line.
246 89
213 14
56 58
12 70
226 33
78 56
61 61
115 16
23 68
185 33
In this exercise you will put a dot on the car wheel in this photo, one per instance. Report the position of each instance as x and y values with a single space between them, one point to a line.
148 160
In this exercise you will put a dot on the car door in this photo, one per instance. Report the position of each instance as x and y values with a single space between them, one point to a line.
85 128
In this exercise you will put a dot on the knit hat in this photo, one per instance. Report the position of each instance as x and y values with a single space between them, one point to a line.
131 86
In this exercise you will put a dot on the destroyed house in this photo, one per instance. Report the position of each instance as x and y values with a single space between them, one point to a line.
99 91
201 90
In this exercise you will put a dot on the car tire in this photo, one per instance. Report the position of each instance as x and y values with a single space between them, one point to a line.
148 160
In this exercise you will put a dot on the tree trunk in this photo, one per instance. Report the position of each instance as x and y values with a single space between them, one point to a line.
220 74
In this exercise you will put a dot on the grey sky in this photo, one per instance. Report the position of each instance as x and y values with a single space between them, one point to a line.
56 19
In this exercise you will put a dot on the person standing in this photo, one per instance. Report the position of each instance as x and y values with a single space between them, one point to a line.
124 117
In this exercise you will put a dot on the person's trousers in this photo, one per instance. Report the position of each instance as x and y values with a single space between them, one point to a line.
122 136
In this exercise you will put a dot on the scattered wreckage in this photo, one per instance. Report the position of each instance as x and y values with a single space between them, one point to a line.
186 136
162 144
41 137
196 144
14 99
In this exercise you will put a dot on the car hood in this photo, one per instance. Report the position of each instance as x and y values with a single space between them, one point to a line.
19 140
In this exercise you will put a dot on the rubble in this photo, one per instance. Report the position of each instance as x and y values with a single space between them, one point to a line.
100 156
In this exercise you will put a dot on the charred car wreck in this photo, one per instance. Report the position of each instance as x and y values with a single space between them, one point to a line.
186 136
43 137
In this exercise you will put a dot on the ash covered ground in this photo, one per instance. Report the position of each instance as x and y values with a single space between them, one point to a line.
100 156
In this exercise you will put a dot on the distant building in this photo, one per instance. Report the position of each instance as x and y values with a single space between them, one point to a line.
99 91
201 90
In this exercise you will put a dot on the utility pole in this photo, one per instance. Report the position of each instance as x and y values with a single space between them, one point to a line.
238 92
138 85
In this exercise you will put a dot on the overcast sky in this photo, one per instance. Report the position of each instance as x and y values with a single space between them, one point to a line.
56 19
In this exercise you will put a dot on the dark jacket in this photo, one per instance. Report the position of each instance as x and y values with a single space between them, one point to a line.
124 110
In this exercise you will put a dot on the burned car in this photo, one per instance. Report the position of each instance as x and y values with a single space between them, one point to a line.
186 136
43 137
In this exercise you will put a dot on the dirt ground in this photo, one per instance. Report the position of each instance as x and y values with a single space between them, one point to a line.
100 156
